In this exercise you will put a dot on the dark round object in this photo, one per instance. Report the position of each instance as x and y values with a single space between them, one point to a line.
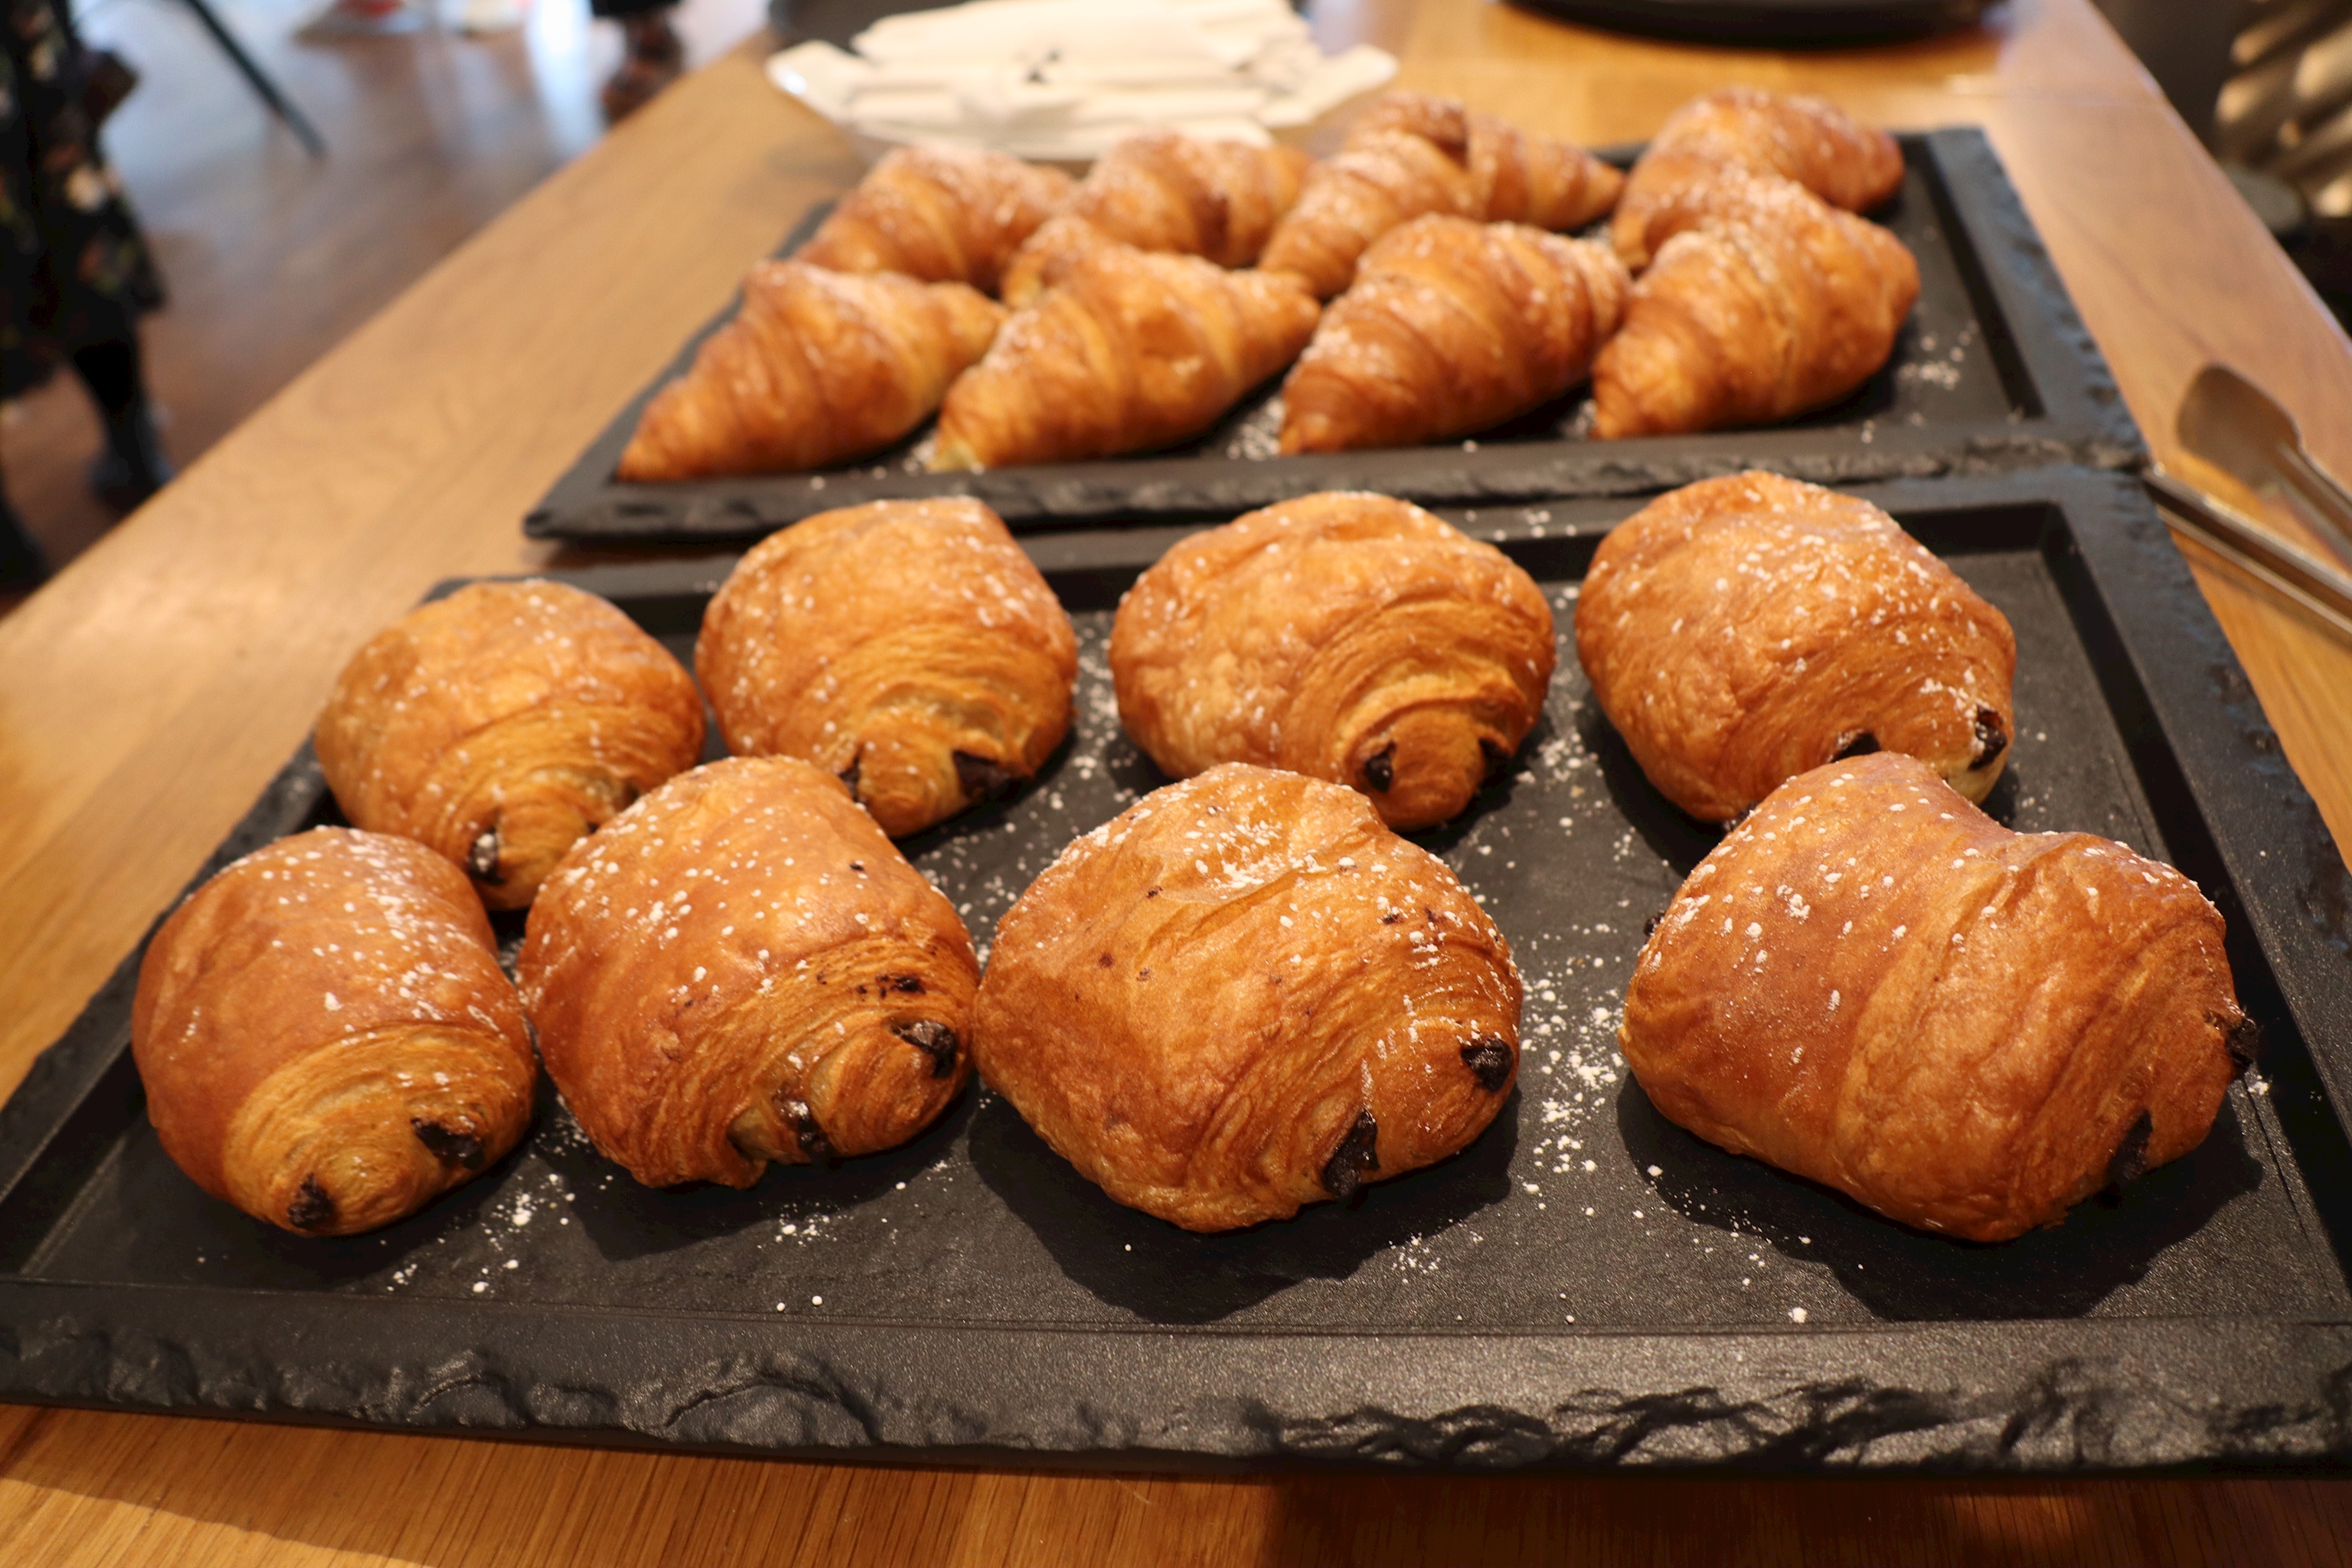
1785 24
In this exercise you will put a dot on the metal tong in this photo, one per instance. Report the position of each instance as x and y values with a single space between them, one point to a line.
2308 581
2241 429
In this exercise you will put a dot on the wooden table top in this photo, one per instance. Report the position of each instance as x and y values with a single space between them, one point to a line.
148 693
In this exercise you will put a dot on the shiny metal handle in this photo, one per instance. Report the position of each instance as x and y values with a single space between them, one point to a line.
2310 582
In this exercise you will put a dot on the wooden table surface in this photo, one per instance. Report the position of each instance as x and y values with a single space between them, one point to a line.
148 693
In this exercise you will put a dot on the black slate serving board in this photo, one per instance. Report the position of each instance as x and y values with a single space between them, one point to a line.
1586 1285
1993 371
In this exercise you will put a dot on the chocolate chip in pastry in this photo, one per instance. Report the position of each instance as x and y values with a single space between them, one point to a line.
1742 630
325 1036
740 968
1245 994
1350 636
1872 983
497 725
909 647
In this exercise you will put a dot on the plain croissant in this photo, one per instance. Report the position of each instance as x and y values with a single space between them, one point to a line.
1451 326
1808 139
1134 349
816 368
1873 984
1412 154
1765 301
1163 190
944 215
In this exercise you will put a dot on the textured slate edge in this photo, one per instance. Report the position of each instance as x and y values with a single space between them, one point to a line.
2046 1397
2024 1398
2071 412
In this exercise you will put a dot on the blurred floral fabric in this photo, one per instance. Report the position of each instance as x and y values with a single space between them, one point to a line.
73 267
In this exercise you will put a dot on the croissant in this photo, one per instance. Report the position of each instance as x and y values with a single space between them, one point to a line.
1163 190
1808 140
1133 350
1412 154
1348 636
740 969
943 214
500 724
325 1036
1516 177
1740 631
1451 326
1765 302
909 647
1873 984
816 368
1245 994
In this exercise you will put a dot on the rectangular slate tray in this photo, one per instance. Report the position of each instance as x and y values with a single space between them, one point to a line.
1993 371
1585 1286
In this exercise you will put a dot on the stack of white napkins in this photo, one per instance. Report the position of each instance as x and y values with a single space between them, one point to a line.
1063 79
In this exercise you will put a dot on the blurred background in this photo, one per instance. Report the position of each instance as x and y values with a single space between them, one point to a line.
435 115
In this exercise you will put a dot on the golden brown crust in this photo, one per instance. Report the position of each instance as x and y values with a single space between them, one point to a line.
1377 181
943 214
1872 983
1517 177
1846 163
497 725
740 968
1764 302
325 1036
1163 190
909 647
1351 638
1243 994
1412 154
1132 349
1740 631
1450 327
816 368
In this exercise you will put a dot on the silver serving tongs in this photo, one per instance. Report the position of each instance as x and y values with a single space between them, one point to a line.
2239 429
2308 580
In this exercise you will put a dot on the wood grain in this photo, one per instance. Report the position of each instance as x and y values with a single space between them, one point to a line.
148 694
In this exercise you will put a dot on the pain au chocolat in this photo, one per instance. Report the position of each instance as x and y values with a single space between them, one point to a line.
1245 994
909 646
325 1036
740 969
1742 630
1350 636
500 724
1872 983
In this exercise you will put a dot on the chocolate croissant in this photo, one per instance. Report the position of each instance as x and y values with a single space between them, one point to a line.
908 647
325 1036
1163 190
816 368
943 214
740 968
1872 983
1412 154
1808 139
500 724
1243 994
1352 637
1764 302
1133 350
1451 326
1741 631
